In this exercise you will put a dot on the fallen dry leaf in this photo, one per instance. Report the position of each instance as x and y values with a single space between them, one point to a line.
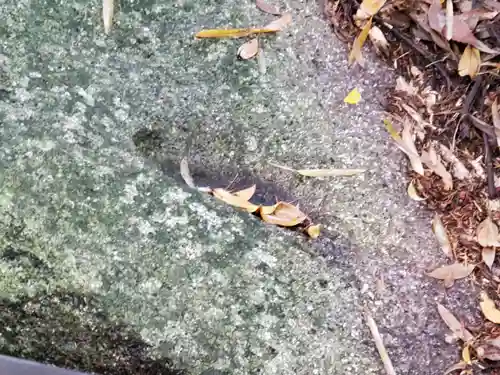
232 33
280 23
368 8
355 54
378 39
285 215
186 175
433 162
413 194
249 49
247 193
107 14
488 256
469 62
489 352
436 16
463 34
353 97
406 145
329 172
234 200
452 272
267 8
489 309
454 324
460 171
487 233
384 356
268 210
442 237
314 231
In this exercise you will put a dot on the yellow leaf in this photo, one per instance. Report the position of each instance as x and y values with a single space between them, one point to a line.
355 54
413 194
489 309
369 8
329 172
313 230
107 14
469 62
466 354
231 33
487 233
268 210
454 324
452 272
249 49
285 214
280 23
247 193
234 200
394 134
353 97
442 237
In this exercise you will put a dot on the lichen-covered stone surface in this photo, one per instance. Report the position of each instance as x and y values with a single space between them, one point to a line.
110 264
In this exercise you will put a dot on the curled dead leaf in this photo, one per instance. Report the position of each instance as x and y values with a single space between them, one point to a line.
413 194
452 272
454 324
280 23
314 231
107 14
487 233
188 179
234 200
442 237
249 49
457 366
469 62
488 352
355 54
489 309
267 8
268 210
285 215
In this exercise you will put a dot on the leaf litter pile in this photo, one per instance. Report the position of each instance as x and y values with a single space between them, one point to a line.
443 113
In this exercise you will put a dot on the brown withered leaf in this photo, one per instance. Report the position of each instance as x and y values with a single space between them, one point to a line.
356 54
469 62
413 194
267 8
452 272
268 210
490 352
442 237
249 49
489 309
406 145
234 200
378 39
247 193
457 366
454 324
285 215
487 233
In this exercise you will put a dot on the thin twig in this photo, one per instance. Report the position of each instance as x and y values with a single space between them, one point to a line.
492 191
389 369
409 42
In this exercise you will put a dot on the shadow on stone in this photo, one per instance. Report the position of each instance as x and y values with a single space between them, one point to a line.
67 330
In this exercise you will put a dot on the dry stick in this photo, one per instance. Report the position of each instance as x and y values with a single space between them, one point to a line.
416 47
490 172
389 369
